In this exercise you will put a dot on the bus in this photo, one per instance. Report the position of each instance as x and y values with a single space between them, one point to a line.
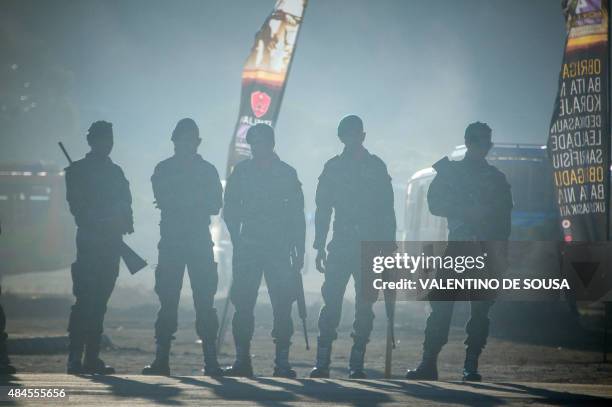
37 230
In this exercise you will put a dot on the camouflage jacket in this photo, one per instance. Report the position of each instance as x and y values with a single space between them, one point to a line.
188 192
264 205
463 189
359 193
99 195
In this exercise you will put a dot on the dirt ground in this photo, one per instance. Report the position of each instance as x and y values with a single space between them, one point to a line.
530 358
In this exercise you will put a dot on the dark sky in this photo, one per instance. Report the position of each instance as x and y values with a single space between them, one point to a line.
417 71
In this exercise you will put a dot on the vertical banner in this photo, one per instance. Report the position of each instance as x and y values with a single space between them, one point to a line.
579 136
265 74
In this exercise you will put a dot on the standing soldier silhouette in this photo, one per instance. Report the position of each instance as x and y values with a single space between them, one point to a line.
99 198
264 213
188 192
356 186
475 198
5 362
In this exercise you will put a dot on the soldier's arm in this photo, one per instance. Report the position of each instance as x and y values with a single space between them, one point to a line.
125 202
442 201
156 183
505 206
214 193
387 203
232 203
300 220
323 212
74 196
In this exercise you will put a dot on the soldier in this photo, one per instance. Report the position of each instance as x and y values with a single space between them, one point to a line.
356 186
100 201
188 192
264 213
475 199
5 363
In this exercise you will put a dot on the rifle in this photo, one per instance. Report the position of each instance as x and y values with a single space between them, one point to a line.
390 296
301 302
132 260
300 298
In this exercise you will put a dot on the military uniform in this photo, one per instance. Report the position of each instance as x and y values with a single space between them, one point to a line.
460 190
187 191
359 192
99 198
5 362
264 213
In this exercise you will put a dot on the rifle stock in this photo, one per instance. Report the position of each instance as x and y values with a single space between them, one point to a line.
132 260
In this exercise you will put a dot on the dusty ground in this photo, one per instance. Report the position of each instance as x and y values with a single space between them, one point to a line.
535 342
503 360
137 390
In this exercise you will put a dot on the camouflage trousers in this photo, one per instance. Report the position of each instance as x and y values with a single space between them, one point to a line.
94 274
249 265
438 325
202 270
341 265
3 337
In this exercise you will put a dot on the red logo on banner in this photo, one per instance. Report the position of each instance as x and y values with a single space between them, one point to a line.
260 102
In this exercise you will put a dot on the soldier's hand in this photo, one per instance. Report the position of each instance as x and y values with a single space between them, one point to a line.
321 261
129 230
298 262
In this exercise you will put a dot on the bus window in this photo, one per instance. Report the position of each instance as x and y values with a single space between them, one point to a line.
418 211
532 186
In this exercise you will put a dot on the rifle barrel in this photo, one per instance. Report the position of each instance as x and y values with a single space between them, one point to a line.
305 333
65 152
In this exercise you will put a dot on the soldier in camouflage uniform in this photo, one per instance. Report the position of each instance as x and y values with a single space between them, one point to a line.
356 186
475 198
100 200
264 213
188 192
5 363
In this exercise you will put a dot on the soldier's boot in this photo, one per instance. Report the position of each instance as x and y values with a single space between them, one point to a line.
161 365
7 369
356 361
92 363
5 366
470 366
427 369
282 368
211 364
242 366
5 363
75 356
321 369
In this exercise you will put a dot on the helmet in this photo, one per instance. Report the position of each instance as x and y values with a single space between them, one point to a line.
186 129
